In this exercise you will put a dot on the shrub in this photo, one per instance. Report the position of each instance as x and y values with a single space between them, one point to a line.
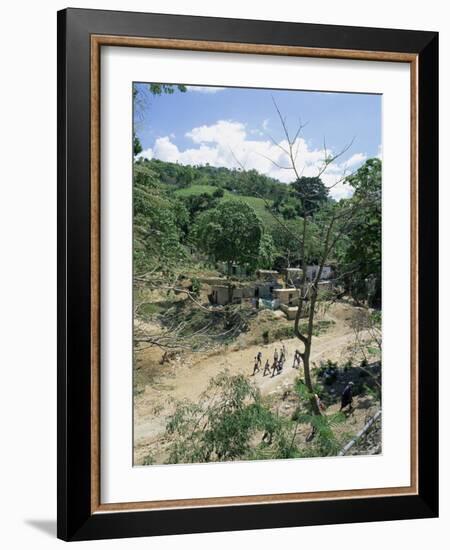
220 425
195 285
148 460
284 332
328 372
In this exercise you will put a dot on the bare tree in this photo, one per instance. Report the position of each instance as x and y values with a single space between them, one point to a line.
340 221
171 335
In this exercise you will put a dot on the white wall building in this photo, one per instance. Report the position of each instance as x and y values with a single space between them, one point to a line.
311 272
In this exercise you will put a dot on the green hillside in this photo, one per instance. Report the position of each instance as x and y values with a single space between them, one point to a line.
196 189
259 205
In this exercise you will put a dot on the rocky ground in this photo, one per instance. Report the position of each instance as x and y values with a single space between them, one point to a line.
369 443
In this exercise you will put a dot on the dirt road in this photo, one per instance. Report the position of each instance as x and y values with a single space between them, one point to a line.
188 380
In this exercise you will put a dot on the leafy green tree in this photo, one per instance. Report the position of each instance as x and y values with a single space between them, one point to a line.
289 251
186 176
227 420
288 211
198 203
139 102
157 237
144 175
311 192
159 89
220 425
325 442
157 223
137 147
361 257
267 252
182 218
231 233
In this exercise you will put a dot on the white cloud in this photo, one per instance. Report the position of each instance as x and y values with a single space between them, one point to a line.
222 132
220 144
205 89
356 160
164 149
146 154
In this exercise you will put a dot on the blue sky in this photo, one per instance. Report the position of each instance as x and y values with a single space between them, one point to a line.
231 126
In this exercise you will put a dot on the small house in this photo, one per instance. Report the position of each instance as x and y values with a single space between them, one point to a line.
235 270
293 275
213 280
312 270
222 295
267 275
289 311
268 304
287 296
325 287
265 289
248 292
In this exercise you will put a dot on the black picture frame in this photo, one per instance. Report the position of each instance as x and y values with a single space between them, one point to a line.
75 518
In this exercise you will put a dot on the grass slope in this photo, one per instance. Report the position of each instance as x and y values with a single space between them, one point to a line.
256 203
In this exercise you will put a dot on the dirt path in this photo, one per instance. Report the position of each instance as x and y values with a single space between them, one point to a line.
153 406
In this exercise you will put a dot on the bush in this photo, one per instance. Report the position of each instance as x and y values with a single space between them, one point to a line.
148 460
221 424
195 285
348 365
278 333
283 333
328 372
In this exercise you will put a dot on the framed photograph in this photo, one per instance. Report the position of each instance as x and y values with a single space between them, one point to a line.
248 301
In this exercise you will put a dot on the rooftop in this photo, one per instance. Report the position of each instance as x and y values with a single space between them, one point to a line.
291 290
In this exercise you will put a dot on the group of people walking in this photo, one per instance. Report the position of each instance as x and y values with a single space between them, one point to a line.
276 366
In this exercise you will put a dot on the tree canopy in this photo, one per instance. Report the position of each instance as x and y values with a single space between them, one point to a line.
154 89
312 192
159 223
231 232
361 257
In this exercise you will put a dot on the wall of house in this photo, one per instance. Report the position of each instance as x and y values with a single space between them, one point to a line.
287 296
311 272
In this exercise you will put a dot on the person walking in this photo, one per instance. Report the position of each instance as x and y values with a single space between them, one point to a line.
347 397
274 367
319 403
280 365
259 358
256 367
296 363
